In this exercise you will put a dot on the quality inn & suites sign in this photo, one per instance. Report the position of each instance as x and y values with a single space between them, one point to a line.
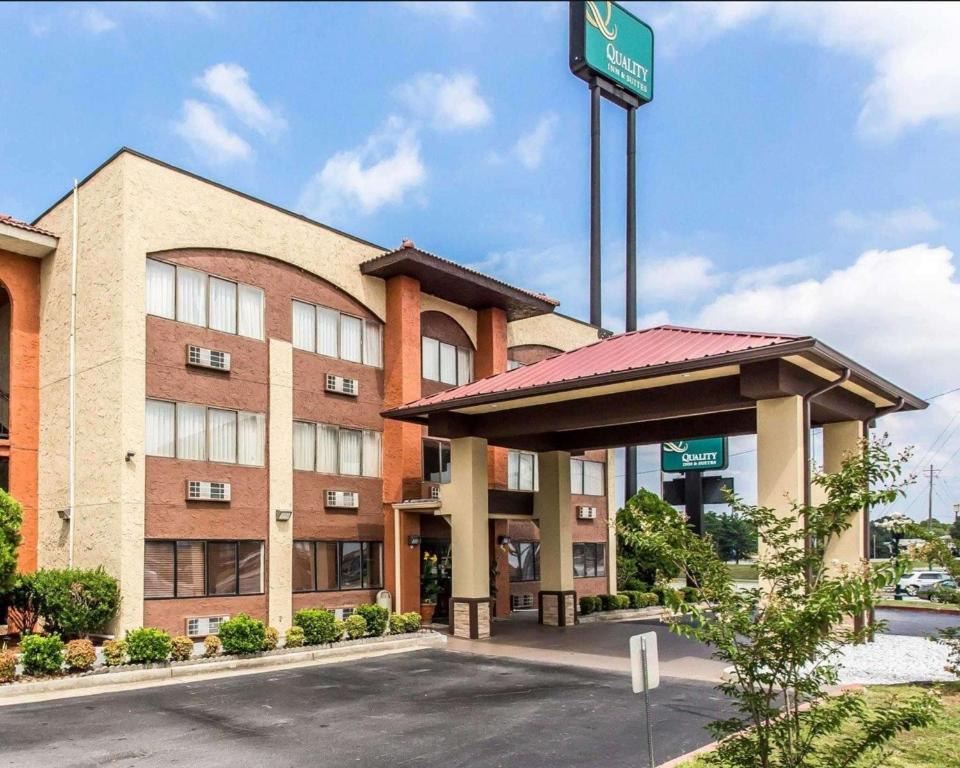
688 455
611 43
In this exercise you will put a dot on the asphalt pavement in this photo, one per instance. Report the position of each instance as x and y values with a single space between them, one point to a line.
429 708
916 623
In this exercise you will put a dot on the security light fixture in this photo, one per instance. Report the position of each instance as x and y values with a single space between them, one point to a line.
413 541
283 515
130 455
64 513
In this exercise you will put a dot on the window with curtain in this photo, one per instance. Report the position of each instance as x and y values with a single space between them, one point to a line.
190 568
328 450
351 338
304 446
191 296
444 362
464 365
250 311
160 432
328 324
371 453
191 432
523 559
436 460
249 571
350 451
251 437
430 357
589 559
522 472
448 363
223 435
327 566
372 344
161 289
586 477
223 305
304 326
158 565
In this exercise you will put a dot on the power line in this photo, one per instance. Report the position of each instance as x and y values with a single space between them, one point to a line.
948 392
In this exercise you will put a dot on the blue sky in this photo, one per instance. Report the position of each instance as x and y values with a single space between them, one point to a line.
798 168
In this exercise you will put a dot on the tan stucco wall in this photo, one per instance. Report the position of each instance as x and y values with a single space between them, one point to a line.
467 318
840 442
465 498
612 509
551 506
280 437
553 330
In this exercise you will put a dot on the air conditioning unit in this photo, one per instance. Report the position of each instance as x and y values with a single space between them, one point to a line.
201 626
202 490
434 491
521 602
342 613
208 358
586 513
342 386
343 499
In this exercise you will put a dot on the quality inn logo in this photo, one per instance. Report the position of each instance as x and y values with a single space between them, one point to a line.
676 447
600 21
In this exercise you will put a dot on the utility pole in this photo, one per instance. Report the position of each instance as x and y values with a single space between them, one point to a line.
930 473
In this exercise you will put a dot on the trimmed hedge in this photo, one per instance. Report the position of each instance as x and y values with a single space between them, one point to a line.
634 584
294 638
242 635
271 638
181 648
72 602
41 654
376 616
319 626
148 645
211 646
79 655
115 652
8 666
589 604
355 626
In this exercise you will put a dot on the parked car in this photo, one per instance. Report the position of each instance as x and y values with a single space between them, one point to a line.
942 592
912 582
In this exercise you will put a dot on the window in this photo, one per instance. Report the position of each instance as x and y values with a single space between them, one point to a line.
320 566
199 433
586 477
589 560
523 558
190 296
336 450
513 364
522 472
445 363
336 334
201 568
436 461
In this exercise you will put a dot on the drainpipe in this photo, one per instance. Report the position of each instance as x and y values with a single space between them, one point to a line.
73 377
807 452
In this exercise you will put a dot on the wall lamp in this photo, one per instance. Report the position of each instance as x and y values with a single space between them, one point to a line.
64 514
130 455
283 515
413 541
503 541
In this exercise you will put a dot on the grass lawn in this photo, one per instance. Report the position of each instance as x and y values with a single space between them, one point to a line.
925 605
743 571
935 747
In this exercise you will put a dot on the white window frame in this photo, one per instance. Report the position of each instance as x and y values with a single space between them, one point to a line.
514 460
431 354
207 432
370 353
367 437
578 477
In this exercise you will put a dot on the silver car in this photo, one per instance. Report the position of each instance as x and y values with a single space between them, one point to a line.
912 583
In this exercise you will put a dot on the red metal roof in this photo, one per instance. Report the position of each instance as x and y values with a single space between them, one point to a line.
631 351
8 219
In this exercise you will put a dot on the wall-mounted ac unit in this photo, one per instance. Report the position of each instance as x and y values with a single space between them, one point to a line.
208 358
586 513
343 499
521 602
342 386
201 626
202 490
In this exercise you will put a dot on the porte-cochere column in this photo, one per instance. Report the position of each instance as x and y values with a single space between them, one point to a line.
551 504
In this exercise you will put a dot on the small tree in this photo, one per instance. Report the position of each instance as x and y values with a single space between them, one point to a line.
647 562
782 638
11 518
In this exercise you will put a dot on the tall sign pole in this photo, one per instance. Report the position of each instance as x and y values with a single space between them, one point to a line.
612 50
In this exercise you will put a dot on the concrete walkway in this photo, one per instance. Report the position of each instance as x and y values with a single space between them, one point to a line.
603 646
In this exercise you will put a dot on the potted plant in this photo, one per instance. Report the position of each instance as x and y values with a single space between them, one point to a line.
429 587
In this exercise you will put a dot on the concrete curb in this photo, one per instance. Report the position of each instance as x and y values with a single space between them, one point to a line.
190 671
921 607
653 612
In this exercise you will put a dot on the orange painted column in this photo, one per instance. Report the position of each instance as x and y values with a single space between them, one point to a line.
20 276
491 358
401 441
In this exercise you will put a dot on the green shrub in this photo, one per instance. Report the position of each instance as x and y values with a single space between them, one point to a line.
690 594
632 596
11 517
376 616
271 638
25 600
211 646
148 645
589 604
607 602
294 638
648 599
41 654
8 666
400 623
79 655
413 620
76 602
622 601
181 648
242 635
115 652
633 584
355 626
319 626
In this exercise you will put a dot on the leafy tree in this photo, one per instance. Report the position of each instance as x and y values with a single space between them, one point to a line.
11 518
955 530
732 534
782 640
635 559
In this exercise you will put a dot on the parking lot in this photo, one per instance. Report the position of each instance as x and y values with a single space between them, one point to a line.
426 708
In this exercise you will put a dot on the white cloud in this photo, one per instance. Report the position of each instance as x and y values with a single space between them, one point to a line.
772 275
381 171
96 21
456 12
449 102
905 221
680 277
911 47
230 83
206 134
532 144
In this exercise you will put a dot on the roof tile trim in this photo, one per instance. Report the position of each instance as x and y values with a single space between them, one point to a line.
7 219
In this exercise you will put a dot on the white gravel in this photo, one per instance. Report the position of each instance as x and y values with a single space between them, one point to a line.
894 659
